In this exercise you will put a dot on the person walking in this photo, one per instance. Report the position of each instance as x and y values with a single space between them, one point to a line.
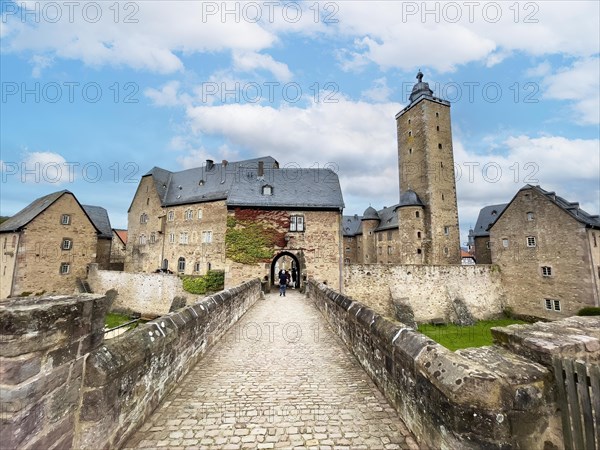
283 281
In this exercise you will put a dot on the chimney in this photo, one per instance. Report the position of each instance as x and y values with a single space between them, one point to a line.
209 164
224 163
261 168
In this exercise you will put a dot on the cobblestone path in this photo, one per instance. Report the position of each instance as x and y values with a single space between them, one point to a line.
278 379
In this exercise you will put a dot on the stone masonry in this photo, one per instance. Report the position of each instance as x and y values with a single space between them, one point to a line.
279 379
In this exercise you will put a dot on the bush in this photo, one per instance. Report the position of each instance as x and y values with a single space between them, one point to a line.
213 281
589 311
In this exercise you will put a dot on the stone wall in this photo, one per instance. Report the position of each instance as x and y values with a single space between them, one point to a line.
469 399
62 387
429 290
44 345
128 377
150 294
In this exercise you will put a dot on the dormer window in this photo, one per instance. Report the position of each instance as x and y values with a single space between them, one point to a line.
267 190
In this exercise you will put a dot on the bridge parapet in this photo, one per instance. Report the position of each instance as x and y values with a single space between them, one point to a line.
486 397
63 386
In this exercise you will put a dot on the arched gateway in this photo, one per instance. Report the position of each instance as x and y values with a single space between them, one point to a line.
289 262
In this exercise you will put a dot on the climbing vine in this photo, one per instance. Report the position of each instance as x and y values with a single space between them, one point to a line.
249 239
213 281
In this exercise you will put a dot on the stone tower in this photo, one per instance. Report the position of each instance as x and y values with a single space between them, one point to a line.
370 221
427 184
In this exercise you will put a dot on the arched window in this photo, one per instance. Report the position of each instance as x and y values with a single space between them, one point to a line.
181 264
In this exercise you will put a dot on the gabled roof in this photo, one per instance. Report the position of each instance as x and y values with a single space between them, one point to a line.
30 212
122 234
99 217
295 188
487 216
240 185
38 206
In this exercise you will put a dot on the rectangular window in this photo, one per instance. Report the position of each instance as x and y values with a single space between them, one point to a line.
531 242
65 268
389 250
549 304
171 238
505 243
183 238
488 244
446 231
197 267
529 216
379 250
207 237
546 271
556 305
379 237
171 216
67 244
389 235
143 239
199 214
65 219
347 249
189 214
296 223
152 238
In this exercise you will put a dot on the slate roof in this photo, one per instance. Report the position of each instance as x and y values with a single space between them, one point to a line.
351 225
388 220
299 188
487 216
370 214
410 198
99 217
35 208
239 184
30 212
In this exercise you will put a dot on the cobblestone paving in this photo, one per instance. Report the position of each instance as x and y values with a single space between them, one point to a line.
279 379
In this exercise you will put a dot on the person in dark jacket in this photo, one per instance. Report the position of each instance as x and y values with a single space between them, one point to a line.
283 281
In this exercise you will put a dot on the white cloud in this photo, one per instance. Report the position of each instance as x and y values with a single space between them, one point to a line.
167 95
39 168
196 157
250 61
380 92
580 84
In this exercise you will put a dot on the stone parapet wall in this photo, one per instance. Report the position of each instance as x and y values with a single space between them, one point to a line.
150 294
428 290
63 387
44 342
475 398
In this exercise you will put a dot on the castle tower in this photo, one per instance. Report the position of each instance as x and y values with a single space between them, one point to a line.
370 221
426 167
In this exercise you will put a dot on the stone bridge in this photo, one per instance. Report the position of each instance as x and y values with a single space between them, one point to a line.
240 369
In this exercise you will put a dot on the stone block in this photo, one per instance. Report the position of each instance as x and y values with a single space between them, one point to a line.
16 370
16 428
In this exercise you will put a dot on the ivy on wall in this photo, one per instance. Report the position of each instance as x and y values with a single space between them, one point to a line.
213 281
249 240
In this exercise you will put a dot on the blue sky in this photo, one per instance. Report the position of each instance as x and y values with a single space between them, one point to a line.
94 94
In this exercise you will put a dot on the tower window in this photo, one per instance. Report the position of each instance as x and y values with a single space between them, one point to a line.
446 231
410 151
546 271
144 218
418 234
437 128
409 133
417 214
505 243
439 146
67 244
442 165
437 114
530 216
446 251
531 242
419 251
65 268
65 219
442 196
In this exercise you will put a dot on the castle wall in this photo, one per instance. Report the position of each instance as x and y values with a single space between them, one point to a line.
429 290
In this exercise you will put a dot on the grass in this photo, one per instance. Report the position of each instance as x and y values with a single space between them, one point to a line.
455 337
115 319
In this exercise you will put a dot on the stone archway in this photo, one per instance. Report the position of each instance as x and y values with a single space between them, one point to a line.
288 261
